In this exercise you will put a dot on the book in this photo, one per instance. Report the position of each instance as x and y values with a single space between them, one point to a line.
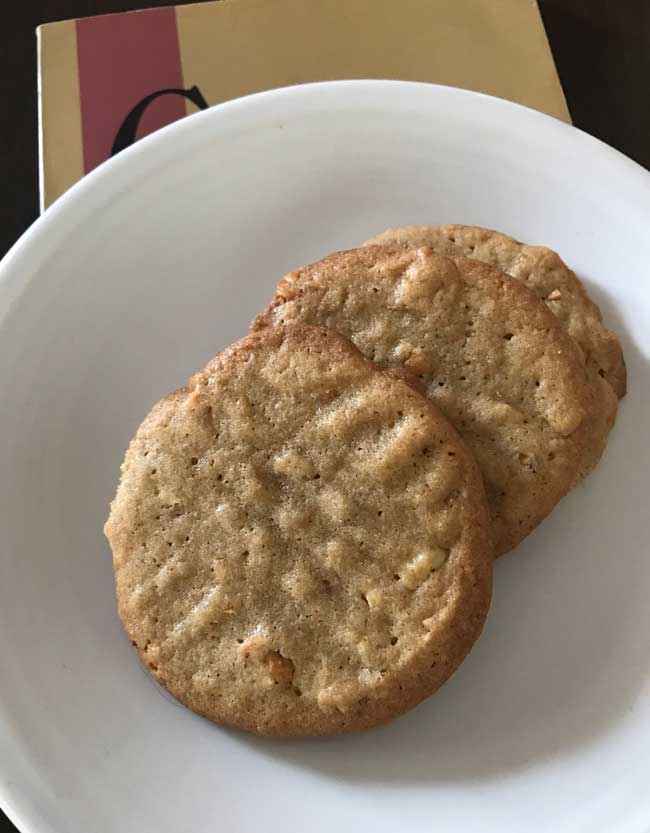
106 81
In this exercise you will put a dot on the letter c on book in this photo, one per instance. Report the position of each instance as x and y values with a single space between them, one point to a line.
126 134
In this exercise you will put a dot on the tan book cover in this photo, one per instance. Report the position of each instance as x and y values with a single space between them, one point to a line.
106 81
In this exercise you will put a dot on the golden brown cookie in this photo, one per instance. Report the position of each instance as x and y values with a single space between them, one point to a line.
488 352
301 541
543 271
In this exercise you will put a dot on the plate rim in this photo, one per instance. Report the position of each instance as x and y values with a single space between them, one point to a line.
146 148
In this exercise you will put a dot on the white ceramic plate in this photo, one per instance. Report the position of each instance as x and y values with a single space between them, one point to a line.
158 260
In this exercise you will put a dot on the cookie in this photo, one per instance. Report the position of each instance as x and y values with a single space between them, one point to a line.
487 351
543 272
301 541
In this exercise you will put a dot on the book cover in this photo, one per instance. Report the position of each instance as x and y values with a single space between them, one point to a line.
106 81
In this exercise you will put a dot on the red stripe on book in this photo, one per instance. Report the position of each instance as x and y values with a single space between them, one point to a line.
122 59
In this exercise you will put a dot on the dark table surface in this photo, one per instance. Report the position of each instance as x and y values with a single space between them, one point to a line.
601 47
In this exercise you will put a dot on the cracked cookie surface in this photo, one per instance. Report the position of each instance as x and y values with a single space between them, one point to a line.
544 272
301 541
485 349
